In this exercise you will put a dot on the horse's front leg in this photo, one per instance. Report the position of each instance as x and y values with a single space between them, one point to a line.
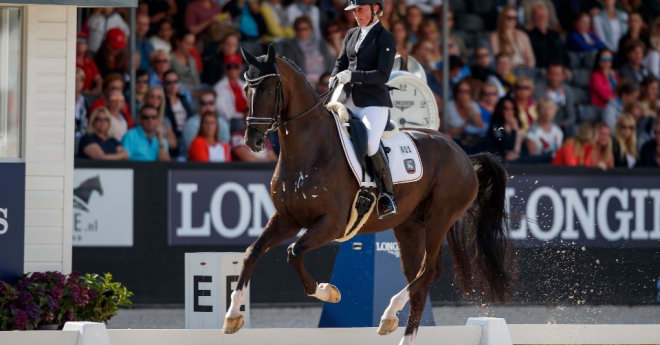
276 231
323 231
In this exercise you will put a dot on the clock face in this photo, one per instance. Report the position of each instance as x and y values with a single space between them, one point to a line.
413 104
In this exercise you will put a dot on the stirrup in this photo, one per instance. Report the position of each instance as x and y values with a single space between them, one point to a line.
389 199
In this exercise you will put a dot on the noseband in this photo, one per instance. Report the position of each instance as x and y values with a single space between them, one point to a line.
274 123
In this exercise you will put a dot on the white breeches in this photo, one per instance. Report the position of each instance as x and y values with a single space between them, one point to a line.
375 119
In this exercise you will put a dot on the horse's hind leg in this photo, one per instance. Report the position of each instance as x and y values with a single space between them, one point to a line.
323 231
276 231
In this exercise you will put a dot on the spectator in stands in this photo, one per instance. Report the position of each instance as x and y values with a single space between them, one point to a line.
581 39
182 62
508 39
156 98
207 104
214 69
650 154
481 67
636 31
402 38
503 77
81 104
200 14
554 88
278 26
546 43
145 142
633 70
246 15
231 102
610 24
115 102
548 5
241 153
141 88
93 80
487 101
390 14
103 20
98 142
161 40
624 145
113 81
644 123
324 83
160 61
652 58
604 79
428 31
110 58
626 94
434 78
457 39
427 7
177 110
650 10
414 18
423 52
504 136
142 44
522 94
333 38
206 147
574 151
464 121
159 10
601 156
308 51
305 8
544 137
648 95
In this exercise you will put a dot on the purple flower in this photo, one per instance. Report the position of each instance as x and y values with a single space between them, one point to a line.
56 292
74 292
38 276
48 317
70 315
60 280
92 294
40 289
24 297
33 311
24 283
20 320
3 291
51 303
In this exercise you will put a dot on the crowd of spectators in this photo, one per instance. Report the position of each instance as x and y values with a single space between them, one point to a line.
535 81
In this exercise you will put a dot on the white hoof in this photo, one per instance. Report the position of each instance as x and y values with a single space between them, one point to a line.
232 324
327 293
388 326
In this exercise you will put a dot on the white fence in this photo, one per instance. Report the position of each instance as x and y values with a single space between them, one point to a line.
455 335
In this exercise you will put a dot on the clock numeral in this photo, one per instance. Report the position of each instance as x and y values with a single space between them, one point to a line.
422 104
403 87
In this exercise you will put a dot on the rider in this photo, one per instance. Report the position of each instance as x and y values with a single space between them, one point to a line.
364 67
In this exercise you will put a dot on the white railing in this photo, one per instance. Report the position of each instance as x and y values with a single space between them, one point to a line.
480 331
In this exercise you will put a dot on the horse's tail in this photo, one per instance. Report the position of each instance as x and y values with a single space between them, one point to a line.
479 242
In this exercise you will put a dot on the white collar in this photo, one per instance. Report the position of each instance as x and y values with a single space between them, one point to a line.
365 30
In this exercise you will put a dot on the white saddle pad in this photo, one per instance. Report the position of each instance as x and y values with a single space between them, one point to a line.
405 164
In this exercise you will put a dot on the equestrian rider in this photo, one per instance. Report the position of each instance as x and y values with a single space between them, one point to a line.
364 67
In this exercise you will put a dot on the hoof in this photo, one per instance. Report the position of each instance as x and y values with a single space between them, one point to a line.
388 326
232 324
327 293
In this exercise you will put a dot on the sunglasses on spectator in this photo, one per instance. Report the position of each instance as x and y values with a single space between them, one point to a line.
489 93
170 82
627 127
522 87
143 80
117 99
161 61
463 91
507 107
206 102
511 18
154 95
606 59
303 28
479 56
149 117
105 119
81 40
233 66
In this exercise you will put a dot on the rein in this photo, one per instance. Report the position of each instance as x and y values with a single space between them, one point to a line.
279 95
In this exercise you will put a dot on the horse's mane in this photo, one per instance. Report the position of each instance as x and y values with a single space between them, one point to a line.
295 67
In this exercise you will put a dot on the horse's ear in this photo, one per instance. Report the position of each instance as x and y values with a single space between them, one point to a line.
271 54
249 58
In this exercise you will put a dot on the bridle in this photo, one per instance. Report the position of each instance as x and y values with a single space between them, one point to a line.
274 123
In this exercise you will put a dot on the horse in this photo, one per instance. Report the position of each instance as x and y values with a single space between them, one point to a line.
458 197
84 192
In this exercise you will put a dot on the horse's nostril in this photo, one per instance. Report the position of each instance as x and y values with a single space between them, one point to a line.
260 142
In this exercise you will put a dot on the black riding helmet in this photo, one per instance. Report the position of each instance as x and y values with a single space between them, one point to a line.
357 3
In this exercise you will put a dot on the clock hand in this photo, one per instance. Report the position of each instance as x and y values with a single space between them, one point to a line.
403 122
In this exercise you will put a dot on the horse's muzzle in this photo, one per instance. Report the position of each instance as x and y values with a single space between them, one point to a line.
255 139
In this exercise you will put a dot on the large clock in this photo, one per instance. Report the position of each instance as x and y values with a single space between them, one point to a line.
413 102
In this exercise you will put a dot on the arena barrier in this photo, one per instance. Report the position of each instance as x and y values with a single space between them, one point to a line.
479 331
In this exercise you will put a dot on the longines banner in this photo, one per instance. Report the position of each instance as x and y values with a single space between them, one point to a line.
12 220
103 208
232 207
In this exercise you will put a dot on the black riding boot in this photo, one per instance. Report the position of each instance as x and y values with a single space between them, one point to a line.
386 201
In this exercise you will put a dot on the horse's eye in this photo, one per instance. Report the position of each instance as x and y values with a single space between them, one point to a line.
270 92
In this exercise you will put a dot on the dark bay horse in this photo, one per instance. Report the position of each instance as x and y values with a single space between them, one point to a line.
459 196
